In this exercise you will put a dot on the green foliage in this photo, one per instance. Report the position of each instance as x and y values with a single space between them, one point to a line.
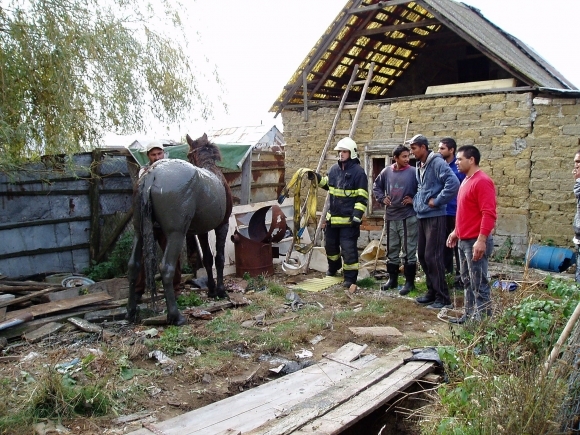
190 300
74 70
504 251
495 368
116 264
276 290
256 283
175 340
368 282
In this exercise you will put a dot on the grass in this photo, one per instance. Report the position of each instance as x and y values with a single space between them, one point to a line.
497 383
493 367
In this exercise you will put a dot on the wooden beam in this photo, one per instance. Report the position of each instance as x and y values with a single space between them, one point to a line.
379 5
305 95
38 222
324 44
397 27
95 229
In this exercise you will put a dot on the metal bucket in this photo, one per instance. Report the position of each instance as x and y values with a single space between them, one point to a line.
252 257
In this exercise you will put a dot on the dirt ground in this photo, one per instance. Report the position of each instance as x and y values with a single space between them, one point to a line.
160 391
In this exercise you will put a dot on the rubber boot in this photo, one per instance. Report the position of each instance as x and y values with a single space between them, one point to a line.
410 272
392 282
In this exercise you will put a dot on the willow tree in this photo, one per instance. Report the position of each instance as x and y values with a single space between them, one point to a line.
71 70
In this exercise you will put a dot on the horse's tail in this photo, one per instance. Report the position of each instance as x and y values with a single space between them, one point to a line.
149 245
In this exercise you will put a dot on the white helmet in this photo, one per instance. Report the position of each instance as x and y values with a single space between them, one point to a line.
347 144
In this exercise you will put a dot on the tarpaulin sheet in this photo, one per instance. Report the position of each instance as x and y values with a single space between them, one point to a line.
232 155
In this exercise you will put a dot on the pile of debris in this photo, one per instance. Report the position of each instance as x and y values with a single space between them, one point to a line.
33 310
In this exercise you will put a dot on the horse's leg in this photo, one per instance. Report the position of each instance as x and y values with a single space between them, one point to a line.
172 250
208 264
221 233
134 267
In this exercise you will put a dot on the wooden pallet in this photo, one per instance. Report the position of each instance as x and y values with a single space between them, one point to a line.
302 399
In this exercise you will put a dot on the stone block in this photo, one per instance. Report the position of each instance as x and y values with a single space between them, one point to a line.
512 224
571 130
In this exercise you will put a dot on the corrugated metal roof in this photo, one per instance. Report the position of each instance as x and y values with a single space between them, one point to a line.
395 34
259 136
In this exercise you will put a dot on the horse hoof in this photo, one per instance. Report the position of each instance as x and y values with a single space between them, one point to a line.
180 321
222 295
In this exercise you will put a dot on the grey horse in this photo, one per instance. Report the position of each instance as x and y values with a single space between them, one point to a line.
184 199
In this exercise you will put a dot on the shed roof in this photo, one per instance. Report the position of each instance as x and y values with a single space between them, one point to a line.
400 35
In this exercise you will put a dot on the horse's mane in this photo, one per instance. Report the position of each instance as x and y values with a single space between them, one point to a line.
203 153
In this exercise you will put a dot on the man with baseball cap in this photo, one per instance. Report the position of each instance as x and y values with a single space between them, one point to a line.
155 152
437 186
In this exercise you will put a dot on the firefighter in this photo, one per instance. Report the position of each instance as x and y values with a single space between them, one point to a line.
347 185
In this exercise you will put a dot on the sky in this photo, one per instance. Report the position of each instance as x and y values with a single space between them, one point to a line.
256 46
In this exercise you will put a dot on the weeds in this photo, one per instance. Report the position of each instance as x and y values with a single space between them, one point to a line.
495 369
116 264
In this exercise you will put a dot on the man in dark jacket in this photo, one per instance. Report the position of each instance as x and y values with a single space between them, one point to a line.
347 185
437 186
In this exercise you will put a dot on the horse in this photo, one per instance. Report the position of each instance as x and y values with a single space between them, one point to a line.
185 199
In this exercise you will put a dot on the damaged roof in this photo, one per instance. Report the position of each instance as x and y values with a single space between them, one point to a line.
413 44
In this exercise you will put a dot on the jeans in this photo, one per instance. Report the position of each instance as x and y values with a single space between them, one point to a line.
474 276
402 234
430 244
577 263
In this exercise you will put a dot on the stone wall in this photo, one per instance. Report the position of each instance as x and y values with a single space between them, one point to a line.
527 145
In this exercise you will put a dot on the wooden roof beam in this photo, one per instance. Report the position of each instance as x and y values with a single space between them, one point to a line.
398 27
379 5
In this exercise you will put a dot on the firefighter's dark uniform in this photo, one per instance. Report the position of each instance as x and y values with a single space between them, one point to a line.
347 185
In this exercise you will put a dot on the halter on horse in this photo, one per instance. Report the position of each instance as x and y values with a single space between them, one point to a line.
184 200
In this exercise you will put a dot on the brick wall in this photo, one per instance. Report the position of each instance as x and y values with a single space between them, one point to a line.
527 145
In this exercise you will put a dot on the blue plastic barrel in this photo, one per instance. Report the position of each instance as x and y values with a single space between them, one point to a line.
550 258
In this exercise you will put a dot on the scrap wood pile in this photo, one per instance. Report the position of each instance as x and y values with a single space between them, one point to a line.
34 310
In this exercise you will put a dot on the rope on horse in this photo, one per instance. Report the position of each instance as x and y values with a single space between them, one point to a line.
301 222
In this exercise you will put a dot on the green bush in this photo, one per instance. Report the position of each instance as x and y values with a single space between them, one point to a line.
116 264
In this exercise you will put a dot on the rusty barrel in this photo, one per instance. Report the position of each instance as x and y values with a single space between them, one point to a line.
253 257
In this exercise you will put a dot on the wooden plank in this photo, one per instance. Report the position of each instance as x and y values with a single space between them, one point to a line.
84 325
472 86
53 307
246 182
398 27
17 331
254 407
43 331
27 298
376 331
69 293
344 416
107 315
348 352
118 288
330 398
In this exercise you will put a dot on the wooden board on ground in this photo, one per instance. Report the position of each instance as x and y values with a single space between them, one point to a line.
84 325
376 331
118 288
347 353
44 331
17 331
344 416
252 408
53 307
106 315
330 398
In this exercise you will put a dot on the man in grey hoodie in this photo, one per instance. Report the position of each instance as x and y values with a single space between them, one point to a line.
437 186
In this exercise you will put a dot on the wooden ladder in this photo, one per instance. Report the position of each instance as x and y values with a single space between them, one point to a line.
331 136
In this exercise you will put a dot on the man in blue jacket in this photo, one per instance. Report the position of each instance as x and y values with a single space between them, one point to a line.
437 186
447 148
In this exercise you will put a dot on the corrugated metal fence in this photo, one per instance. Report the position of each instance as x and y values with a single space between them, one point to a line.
58 216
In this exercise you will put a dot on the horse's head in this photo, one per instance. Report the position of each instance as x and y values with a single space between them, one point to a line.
202 152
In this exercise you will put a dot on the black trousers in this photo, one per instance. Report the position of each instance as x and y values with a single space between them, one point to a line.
342 242
430 250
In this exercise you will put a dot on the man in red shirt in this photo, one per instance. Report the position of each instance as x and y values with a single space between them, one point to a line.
476 217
